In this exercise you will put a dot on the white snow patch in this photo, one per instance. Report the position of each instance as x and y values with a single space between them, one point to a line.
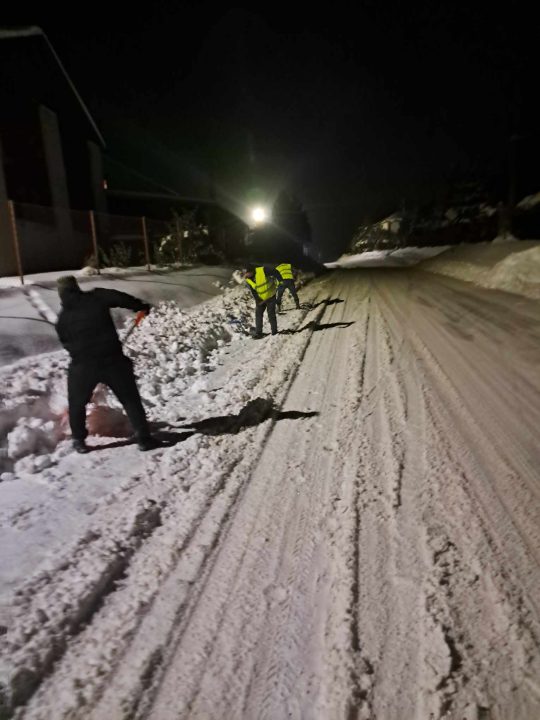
529 202
511 266
518 273
505 237
387 258
41 306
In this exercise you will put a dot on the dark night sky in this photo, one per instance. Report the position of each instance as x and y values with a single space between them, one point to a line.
353 113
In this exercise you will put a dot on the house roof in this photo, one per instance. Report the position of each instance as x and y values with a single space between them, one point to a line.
394 217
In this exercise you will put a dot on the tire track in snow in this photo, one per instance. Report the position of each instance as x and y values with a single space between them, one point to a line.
256 574
390 626
488 440
455 599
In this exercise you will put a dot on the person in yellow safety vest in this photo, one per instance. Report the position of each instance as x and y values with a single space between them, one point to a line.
263 283
286 272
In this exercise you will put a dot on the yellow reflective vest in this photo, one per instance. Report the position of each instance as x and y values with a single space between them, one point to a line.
265 287
285 270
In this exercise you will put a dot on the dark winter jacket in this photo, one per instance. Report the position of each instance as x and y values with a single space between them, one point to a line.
85 327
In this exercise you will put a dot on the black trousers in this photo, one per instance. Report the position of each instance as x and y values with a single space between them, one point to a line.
290 286
118 374
270 307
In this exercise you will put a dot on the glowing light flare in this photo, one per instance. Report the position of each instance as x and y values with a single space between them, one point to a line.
259 215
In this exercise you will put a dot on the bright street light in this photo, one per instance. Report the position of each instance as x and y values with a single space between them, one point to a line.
259 215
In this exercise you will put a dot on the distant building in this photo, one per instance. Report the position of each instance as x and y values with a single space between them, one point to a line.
391 224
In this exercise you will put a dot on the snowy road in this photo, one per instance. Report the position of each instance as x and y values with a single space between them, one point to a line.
357 537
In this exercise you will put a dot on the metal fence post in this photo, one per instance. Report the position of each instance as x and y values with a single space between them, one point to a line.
94 240
146 248
15 236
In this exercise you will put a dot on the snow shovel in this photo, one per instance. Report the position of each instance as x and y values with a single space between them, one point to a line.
139 317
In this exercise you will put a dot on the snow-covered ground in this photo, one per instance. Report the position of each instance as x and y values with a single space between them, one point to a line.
27 313
345 523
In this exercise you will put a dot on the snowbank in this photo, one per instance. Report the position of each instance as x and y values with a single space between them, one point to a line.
387 258
511 266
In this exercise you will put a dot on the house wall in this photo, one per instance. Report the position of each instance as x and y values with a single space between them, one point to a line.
56 170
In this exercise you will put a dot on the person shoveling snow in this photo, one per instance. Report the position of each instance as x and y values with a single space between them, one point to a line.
263 282
86 330
287 283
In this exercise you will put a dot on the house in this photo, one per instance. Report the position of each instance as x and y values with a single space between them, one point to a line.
50 157
391 224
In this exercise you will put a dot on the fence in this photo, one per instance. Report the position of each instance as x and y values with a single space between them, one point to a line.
35 238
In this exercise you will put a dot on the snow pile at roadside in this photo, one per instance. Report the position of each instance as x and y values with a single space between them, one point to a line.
386 258
513 267
518 273
504 237
32 417
174 348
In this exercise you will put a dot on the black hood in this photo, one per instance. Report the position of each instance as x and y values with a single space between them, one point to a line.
69 296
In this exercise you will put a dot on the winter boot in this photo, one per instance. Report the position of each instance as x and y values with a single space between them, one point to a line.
147 442
80 446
